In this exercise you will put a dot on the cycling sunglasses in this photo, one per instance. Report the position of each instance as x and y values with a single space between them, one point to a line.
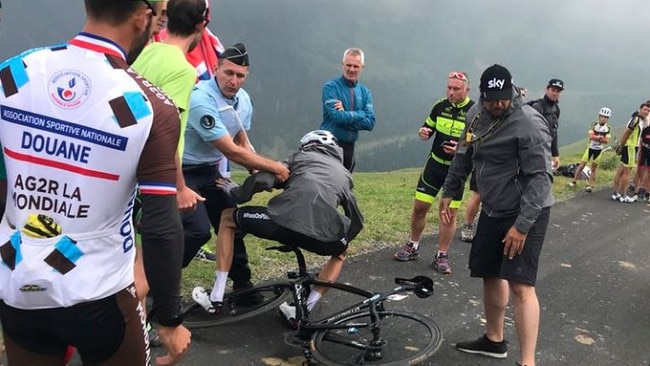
460 75
148 4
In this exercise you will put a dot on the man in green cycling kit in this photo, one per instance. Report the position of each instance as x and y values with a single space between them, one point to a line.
445 123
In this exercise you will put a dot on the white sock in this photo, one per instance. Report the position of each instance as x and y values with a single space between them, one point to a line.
441 252
313 298
221 277
415 244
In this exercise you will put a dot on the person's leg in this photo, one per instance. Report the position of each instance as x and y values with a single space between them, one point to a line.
348 155
224 249
418 219
526 309
196 231
579 170
428 186
623 180
330 272
617 179
495 301
445 236
240 271
592 176
473 205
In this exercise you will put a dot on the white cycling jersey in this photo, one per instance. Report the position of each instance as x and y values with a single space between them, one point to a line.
79 129
599 130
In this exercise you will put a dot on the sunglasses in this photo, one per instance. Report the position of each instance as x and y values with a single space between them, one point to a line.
458 75
148 4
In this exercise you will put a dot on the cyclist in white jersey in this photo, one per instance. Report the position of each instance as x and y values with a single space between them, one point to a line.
598 135
79 129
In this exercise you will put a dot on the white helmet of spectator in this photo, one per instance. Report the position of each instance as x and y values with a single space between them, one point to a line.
605 112
320 137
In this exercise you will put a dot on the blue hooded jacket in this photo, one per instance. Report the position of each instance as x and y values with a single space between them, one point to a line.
358 113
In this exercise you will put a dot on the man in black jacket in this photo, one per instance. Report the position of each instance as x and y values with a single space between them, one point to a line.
548 107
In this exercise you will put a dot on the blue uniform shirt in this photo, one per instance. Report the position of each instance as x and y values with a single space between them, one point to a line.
211 117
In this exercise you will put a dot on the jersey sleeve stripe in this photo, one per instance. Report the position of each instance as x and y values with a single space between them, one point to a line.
157 188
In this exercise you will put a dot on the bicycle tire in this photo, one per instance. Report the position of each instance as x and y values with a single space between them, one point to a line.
196 317
410 339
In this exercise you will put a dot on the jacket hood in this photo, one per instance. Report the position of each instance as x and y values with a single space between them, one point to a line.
330 150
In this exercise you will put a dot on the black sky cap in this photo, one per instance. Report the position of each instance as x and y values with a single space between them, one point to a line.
556 83
236 54
496 83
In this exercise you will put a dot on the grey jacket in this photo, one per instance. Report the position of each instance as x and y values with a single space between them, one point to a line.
512 165
317 186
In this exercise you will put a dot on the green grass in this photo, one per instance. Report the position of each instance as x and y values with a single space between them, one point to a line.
385 199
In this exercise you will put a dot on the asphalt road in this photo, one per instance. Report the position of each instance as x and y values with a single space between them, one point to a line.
593 286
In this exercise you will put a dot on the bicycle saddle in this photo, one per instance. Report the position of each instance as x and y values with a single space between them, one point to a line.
422 286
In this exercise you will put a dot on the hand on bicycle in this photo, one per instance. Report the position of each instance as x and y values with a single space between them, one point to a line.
176 340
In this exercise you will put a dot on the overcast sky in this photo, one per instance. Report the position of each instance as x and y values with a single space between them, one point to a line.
599 47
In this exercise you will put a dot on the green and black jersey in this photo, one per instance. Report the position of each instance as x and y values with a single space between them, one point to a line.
447 120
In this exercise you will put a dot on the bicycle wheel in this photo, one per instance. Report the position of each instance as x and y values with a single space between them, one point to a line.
272 296
405 339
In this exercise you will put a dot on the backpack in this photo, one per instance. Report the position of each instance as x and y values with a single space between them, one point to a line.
570 171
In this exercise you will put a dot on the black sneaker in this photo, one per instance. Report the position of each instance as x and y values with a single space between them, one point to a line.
250 299
204 255
484 346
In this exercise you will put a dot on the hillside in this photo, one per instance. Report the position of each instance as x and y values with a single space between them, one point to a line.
410 46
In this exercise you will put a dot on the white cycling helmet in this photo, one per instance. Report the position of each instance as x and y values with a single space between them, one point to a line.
320 137
605 112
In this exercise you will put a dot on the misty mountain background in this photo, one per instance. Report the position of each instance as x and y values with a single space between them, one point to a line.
599 48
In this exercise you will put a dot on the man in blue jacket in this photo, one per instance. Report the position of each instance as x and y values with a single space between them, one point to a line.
347 105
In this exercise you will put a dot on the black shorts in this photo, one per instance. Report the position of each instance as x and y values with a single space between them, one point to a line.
431 181
255 220
486 257
109 331
644 157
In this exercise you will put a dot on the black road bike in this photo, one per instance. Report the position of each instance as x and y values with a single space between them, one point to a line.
364 333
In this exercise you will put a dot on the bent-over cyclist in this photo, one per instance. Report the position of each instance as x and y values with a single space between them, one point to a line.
305 214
